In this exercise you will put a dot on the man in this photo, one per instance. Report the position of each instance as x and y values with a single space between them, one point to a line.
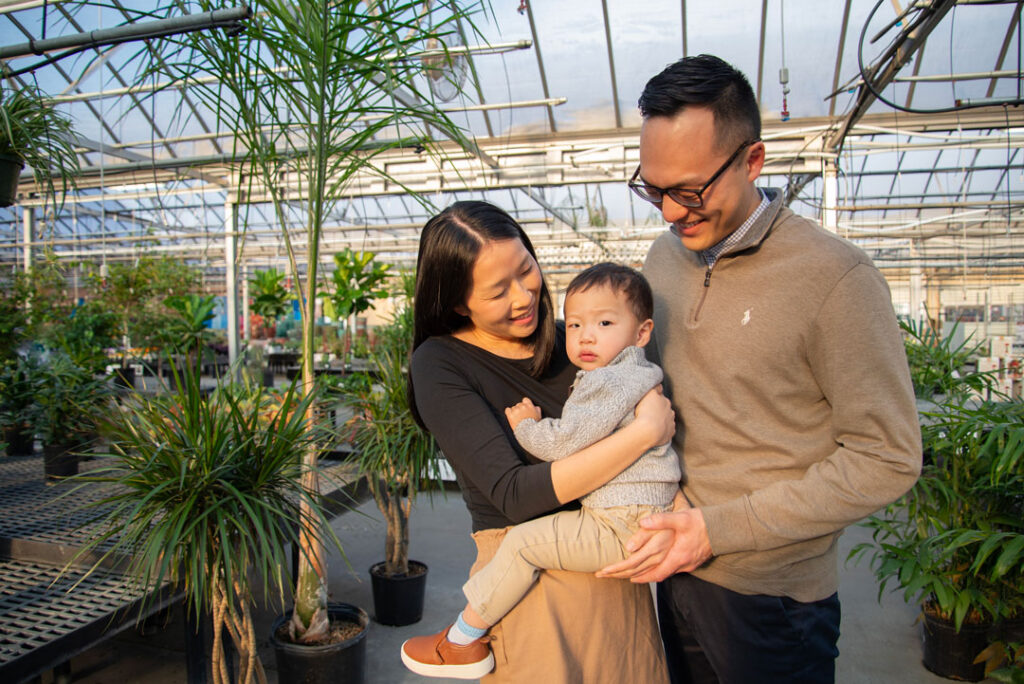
788 377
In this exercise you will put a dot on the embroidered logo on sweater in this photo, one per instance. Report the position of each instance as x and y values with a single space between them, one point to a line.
746 317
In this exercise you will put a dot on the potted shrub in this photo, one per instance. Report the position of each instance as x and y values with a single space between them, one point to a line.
188 333
69 400
208 494
358 280
33 132
269 298
15 289
19 381
137 292
395 454
954 544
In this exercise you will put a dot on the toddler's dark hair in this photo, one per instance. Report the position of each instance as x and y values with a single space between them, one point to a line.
621 278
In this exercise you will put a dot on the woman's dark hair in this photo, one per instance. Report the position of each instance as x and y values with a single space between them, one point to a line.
708 81
449 246
619 278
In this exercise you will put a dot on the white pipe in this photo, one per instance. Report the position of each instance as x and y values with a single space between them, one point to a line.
231 278
830 196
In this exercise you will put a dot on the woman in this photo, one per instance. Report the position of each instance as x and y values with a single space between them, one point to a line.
485 337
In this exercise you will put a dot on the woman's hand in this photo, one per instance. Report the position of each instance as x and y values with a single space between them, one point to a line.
655 412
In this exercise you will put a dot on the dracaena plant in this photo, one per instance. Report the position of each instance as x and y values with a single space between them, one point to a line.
207 493
395 453
313 92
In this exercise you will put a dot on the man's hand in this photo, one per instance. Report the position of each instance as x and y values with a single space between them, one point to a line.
521 411
667 544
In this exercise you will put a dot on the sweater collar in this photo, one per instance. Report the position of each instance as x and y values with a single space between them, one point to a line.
631 355
757 232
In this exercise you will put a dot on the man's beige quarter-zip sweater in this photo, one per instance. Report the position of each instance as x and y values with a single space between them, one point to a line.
787 372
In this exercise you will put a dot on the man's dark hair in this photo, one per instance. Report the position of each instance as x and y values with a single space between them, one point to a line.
620 278
706 80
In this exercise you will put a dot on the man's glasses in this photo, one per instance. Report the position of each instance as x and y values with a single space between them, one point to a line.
682 196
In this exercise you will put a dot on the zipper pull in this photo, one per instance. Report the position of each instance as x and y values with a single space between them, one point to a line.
707 278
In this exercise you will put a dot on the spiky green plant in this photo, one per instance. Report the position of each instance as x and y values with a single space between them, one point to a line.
313 91
207 493
393 451
938 364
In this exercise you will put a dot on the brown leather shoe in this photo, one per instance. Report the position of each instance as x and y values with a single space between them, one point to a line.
434 656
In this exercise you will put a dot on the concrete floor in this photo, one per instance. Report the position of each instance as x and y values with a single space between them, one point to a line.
879 642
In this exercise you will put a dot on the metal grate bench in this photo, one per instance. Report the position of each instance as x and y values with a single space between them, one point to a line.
46 618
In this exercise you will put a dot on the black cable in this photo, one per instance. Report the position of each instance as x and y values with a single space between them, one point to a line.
941 110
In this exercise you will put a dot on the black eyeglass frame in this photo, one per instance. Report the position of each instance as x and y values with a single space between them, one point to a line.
640 189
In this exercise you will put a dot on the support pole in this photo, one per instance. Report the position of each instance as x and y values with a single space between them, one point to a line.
933 302
246 323
231 277
918 308
28 228
830 197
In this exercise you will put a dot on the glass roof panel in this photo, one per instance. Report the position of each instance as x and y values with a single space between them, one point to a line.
567 184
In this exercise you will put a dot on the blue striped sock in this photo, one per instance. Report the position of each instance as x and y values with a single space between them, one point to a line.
462 633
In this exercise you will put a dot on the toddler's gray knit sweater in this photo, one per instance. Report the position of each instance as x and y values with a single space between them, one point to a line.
602 401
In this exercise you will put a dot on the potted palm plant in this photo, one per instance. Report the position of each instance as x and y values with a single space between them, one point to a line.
396 454
314 92
954 544
33 132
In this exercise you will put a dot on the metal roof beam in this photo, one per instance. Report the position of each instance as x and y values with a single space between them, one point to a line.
880 74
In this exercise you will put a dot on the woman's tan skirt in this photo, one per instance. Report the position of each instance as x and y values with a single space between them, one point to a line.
573 628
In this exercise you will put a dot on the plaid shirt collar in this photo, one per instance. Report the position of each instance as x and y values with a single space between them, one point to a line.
712 253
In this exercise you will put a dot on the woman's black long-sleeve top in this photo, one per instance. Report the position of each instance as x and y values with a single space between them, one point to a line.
461 394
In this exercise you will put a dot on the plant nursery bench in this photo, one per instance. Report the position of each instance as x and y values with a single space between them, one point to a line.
46 617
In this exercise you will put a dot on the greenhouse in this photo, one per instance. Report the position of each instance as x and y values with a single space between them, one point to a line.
218 231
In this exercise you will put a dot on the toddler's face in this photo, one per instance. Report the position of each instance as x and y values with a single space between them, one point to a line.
600 323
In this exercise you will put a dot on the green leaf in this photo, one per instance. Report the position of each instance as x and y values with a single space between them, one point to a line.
1011 557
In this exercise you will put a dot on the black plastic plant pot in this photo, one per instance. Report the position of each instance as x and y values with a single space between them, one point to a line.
950 654
340 663
59 461
10 170
20 440
124 376
398 600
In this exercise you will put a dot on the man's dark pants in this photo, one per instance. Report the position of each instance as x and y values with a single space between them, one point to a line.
715 636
